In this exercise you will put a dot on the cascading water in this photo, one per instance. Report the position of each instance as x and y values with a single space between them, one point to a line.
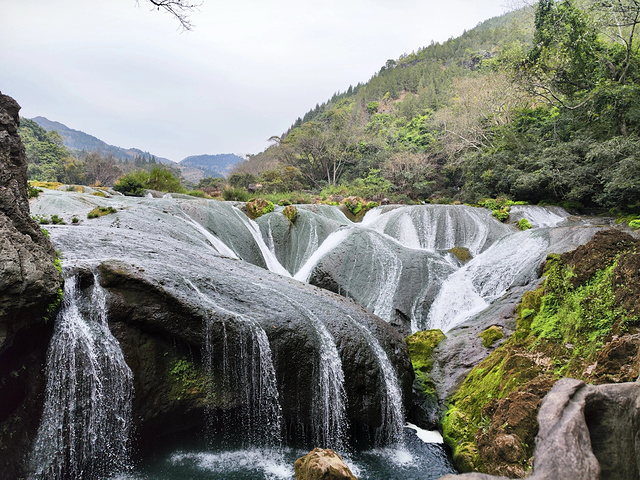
253 374
390 431
485 278
86 422
329 411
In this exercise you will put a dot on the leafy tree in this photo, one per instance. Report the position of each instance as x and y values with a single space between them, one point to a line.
132 184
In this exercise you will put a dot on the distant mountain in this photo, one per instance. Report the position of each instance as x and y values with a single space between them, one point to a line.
198 166
77 140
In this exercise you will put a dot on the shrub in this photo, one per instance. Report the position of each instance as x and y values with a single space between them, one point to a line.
523 224
258 207
238 194
131 184
101 211
33 192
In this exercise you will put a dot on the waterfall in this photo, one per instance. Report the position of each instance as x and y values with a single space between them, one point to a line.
86 421
254 375
331 242
469 290
218 245
269 256
390 431
329 408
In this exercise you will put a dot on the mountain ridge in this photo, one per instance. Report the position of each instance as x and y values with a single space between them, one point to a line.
78 140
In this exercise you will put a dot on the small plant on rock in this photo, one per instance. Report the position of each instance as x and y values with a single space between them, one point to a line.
101 211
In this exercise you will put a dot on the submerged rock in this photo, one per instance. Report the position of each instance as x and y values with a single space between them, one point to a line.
322 464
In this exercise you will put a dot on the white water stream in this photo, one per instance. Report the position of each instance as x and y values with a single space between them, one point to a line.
86 421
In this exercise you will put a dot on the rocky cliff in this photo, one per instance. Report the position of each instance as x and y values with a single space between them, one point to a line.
583 322
29 284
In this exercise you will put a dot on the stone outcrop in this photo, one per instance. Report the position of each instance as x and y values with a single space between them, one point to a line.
29 282
174 301
586 432
322 464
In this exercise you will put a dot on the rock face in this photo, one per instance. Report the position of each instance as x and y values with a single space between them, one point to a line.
196 326
587 432
322 464
29 282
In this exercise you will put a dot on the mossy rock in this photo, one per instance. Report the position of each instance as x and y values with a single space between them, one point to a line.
421 345
291 212
464 452
491 335
461 253
258 207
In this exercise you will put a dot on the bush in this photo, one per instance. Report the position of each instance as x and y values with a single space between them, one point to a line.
132 184
101 211
33 192
237 194
523 224
258 207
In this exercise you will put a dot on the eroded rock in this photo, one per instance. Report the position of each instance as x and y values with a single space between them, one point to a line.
322 464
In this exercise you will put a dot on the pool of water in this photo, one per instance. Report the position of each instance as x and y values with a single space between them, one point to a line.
416 460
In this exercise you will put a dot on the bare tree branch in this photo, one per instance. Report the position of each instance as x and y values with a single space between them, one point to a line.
180 9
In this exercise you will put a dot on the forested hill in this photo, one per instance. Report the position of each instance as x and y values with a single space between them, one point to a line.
541 104
80 141
211 165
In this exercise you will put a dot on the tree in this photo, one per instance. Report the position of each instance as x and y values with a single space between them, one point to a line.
180 9
100 170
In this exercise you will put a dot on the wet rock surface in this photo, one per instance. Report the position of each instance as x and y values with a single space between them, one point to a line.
29 282
322 464
587 432
170 289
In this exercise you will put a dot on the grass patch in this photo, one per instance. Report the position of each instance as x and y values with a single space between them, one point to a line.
100 212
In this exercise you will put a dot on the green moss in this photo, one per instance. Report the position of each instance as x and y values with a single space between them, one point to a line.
99 194
186 379
491 335
501 214
635 224
101 211
523 224
560 328
421 345
461 253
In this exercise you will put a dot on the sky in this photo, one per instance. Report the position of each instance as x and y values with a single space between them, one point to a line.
127 74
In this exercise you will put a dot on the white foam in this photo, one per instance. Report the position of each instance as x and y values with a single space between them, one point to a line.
427 436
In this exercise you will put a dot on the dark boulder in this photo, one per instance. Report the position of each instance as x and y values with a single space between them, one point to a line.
29 283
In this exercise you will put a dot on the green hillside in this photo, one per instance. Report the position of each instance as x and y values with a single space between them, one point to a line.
540 105
83 142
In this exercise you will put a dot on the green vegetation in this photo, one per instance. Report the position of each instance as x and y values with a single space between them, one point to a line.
101 211
541 104
561 329
46 220
186 379
258 207
491 335
524 224
421 345
291 212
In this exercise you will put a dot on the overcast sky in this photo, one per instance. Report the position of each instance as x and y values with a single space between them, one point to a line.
129 76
